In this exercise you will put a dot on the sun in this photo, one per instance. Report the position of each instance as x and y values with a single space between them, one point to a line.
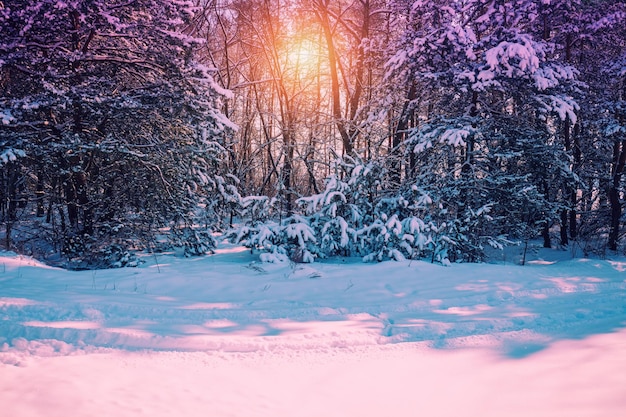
303 57
303 53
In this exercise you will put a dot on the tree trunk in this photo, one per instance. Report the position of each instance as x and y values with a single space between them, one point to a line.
360 67
545 234
619 159
545 231
11 180
39 193
567 191
322 10
564 236
399 135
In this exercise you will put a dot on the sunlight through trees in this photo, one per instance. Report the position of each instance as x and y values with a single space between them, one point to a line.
431 129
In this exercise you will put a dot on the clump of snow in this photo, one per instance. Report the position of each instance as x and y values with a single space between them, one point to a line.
5 115
10 155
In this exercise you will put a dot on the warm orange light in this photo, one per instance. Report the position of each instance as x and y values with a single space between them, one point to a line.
303 57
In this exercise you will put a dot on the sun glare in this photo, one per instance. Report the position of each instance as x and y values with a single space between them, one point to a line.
303 57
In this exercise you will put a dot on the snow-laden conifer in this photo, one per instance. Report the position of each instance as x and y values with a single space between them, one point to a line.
117 121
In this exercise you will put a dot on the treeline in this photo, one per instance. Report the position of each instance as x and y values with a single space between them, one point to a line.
383 129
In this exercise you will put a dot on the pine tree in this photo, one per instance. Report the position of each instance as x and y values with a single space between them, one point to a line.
116 120
490 92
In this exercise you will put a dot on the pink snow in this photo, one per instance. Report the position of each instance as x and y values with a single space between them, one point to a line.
226 335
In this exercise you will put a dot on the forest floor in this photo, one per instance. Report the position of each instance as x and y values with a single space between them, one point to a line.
226 335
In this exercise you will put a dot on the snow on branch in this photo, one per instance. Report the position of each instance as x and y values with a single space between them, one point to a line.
551 76
517 58
10 155
445 134
565 106
6 117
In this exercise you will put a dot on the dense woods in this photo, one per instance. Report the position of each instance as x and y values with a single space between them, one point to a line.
385 129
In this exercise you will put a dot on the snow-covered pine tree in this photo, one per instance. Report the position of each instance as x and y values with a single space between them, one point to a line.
117 120
401 228
329 221
338 212
289 239
333 217
225 202
490 94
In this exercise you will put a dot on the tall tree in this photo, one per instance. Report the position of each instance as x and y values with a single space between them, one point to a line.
489 94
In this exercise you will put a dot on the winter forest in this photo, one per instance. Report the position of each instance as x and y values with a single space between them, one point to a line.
379 129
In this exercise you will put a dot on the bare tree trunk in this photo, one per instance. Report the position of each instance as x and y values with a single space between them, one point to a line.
286 110
322 10
360 68
40 193
399 134
619 159
10 194
569 216
545 231
567 190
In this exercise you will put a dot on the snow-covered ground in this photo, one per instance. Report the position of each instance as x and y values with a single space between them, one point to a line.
225 335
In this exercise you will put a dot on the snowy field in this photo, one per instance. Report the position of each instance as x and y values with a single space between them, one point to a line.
225 335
